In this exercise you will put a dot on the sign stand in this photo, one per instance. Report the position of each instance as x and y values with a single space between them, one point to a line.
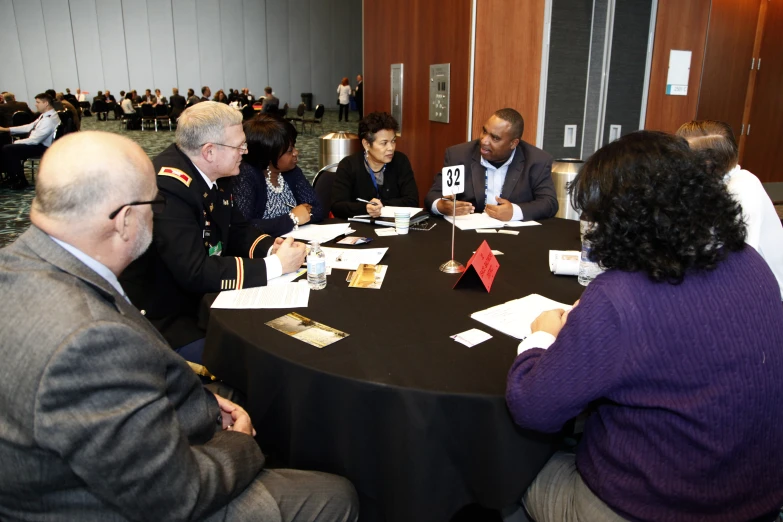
452 185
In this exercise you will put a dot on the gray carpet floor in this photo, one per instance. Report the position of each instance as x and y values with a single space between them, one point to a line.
15 205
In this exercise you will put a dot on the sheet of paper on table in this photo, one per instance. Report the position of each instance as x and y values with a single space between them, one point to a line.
386 231
286 278
287 295
472 337
564 262
514 317
320 233
388 212
350 259
474 221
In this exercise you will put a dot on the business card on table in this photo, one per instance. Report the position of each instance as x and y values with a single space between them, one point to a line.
471 337
386 231
509 232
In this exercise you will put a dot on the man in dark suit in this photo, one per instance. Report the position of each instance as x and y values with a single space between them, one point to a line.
177 103
11 106
271 102
358 95
205 93
102 421
505 177
202 243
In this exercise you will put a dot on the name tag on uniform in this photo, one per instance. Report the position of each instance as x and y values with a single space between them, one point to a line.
216 250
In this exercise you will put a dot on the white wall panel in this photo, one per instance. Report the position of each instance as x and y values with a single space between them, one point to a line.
232 31
299 49
137 45
12 72
114 59
209 44
255 46
35 52
59 39
293 45
324 78
186 46
277 49
164 59
86 42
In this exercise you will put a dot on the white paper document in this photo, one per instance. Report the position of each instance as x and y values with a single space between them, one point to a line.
288 295
286 278
386 231
320 233
514 317
471 337
388 212
474 221
679 72
350 259
564 262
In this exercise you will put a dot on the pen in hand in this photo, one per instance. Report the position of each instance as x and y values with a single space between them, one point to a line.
373 203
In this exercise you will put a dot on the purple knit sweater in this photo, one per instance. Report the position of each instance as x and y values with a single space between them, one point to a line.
687 381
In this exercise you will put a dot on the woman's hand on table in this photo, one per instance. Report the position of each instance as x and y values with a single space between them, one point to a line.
551 321
374 207
303 212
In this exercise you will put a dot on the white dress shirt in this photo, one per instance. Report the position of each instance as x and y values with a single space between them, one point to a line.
274 268
765 232
41 130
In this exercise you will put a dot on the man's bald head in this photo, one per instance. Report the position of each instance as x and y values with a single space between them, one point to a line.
85 173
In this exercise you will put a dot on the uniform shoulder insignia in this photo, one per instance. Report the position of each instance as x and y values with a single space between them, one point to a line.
175 173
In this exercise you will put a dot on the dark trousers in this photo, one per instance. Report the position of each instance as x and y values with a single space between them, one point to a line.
13 155
360 107
346 108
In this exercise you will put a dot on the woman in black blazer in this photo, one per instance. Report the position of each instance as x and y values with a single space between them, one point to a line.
377 174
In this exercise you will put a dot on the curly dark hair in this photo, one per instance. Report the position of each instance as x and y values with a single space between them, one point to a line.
656 209
268 138
375 122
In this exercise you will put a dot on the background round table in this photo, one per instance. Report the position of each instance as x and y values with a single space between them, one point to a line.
417 421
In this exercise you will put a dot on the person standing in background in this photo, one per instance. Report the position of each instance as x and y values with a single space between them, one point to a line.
344 98
358 95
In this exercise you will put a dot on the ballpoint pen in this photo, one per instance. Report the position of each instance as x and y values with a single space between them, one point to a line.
365 201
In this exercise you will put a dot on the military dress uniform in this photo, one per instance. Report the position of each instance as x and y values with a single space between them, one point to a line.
201 244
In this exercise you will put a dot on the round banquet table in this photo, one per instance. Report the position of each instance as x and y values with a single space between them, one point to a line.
417 421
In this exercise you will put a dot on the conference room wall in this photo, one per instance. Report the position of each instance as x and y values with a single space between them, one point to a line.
295 46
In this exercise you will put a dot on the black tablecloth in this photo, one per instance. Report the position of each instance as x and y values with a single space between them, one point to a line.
415 420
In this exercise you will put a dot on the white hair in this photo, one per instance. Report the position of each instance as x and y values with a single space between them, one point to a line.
205 122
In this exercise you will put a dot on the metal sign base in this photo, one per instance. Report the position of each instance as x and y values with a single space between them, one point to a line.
452 267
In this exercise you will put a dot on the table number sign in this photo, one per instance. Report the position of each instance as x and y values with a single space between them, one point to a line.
482 267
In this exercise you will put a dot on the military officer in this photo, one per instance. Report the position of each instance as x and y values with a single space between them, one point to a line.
201 242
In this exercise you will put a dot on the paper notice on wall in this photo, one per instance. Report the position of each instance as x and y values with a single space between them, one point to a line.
679 71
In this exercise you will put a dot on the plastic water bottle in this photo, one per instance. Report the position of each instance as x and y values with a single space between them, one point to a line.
588 269
316 267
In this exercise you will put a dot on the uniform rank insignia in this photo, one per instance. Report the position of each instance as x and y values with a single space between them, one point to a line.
225 202
175 173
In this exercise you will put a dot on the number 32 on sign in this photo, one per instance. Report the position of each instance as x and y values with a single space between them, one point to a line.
453 180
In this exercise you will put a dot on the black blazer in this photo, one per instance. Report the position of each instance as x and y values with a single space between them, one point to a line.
528 180
353 181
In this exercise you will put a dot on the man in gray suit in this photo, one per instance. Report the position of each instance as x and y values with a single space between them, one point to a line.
505 177
101 420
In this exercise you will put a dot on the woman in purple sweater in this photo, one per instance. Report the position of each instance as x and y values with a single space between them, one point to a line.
677 347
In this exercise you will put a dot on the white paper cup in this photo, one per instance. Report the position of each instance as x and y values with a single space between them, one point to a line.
402 221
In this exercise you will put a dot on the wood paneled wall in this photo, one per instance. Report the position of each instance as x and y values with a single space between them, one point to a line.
681 26
418 34
509 38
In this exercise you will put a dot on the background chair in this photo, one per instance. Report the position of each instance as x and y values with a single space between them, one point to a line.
316 119
59 132
99 107
299 115
322 185
162 116
147 115
248 112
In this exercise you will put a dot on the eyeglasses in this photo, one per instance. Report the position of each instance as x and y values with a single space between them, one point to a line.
242 147
158 204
